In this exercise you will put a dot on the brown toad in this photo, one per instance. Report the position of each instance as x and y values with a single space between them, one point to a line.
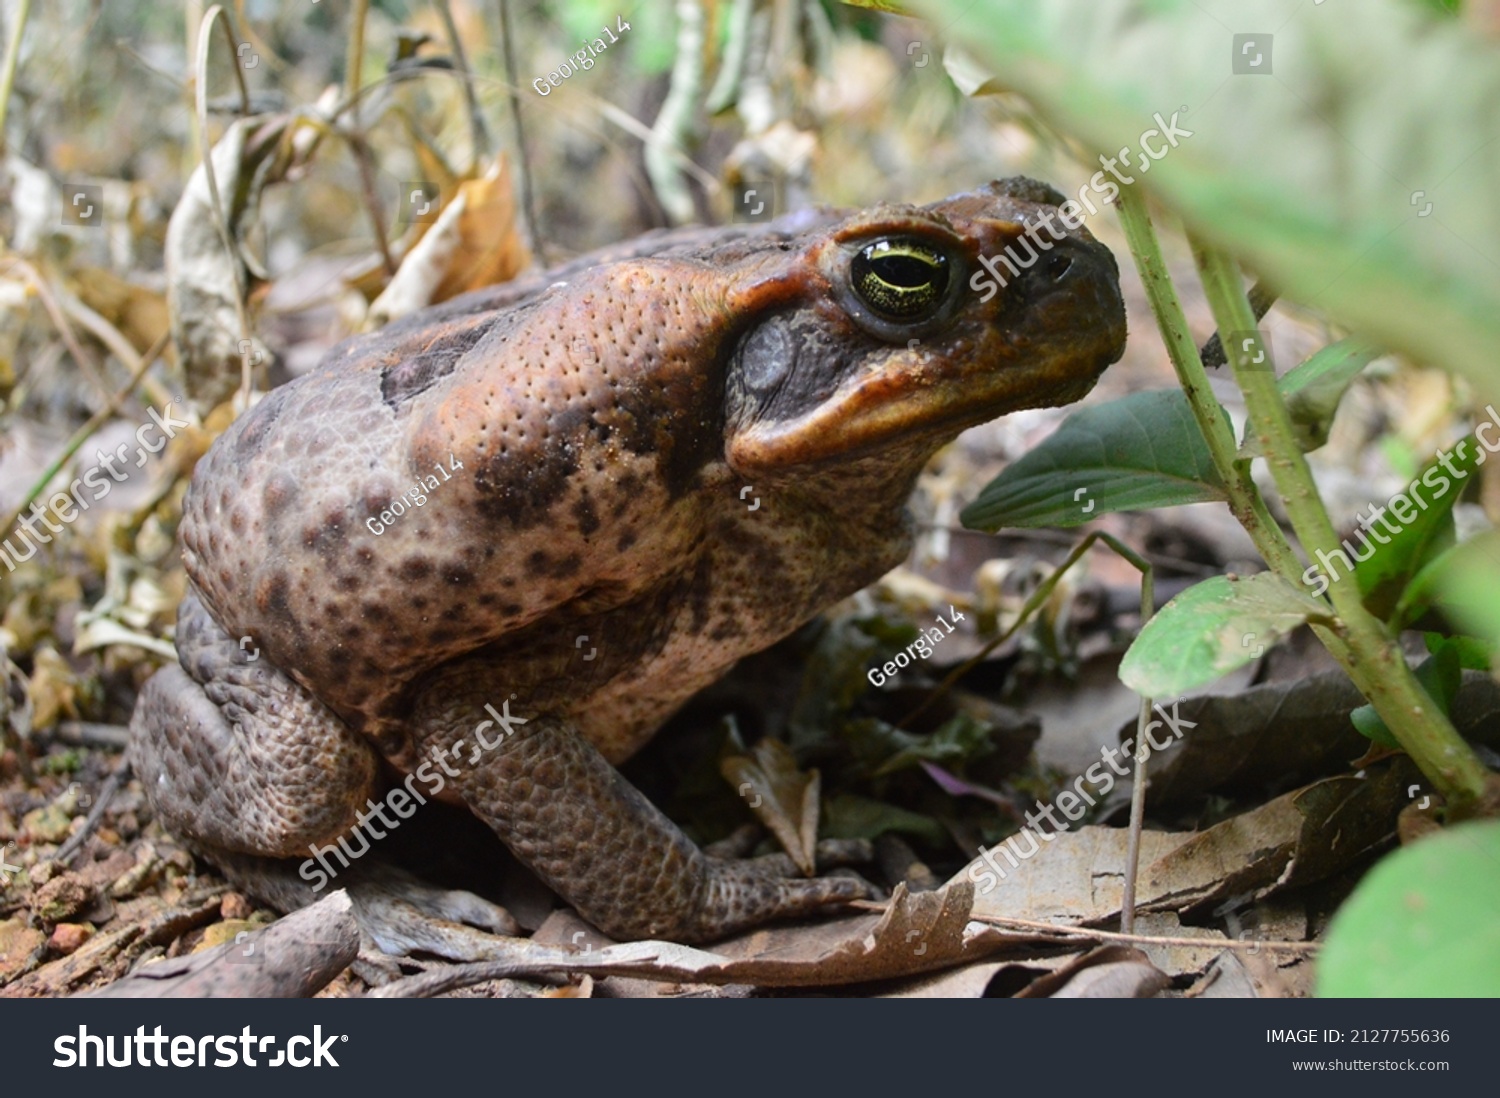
482 555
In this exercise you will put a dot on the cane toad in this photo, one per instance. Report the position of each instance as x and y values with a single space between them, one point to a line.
483 554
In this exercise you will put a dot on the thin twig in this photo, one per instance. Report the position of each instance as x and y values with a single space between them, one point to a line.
636 128
1067 541
1146 939
114 340
1138 789
111 737
118 777
523 163
354 58
543 962
1038 597
1137 819
354 61
364 161
59 317
479 136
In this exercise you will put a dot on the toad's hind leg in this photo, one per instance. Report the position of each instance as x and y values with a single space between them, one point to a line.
254 773
237 756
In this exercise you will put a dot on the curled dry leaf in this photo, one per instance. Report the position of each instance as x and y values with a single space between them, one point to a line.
1076 877
203 280
474 243
784 798
1238 975
1109 972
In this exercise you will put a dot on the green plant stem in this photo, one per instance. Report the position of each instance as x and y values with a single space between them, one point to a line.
1372 656
354 57
12 61
1034 602
1244 499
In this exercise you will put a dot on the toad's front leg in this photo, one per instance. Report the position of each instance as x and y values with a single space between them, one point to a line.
567 813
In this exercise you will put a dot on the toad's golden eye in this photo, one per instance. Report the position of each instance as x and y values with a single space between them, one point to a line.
900 278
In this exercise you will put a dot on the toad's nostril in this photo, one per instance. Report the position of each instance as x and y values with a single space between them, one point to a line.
1056 267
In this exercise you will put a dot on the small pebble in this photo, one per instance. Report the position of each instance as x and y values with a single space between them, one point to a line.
67 937
235 906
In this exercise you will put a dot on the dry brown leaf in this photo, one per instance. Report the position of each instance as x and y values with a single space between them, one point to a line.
1120 980
474 243
781 796
1077 877
918 932
1170 957
203 281
1297 839
1108 972
491 247
565 929
1237 974
53 688
968 982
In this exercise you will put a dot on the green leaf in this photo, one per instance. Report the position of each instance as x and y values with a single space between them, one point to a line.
1422 923
1403 546
955 742
1473 653
1212 628
1141 451
1315 168
1370 725
1313 390
1440 675
1469 583
849 816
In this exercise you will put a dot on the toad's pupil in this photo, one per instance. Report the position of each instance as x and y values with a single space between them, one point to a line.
904 270
900 280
